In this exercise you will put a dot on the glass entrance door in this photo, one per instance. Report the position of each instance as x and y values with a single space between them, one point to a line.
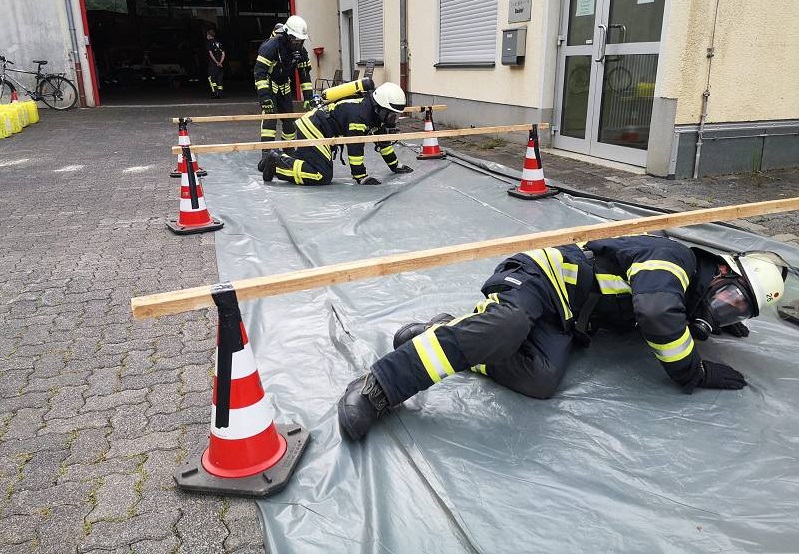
608 61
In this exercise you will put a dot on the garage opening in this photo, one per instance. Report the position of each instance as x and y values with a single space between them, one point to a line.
154 51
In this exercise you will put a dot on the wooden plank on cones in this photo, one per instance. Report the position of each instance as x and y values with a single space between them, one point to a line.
174 302
260 117
269 145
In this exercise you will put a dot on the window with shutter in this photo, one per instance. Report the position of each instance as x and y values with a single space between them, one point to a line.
370 30
467 33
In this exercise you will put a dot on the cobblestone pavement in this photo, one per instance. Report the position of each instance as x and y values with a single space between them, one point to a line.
98 409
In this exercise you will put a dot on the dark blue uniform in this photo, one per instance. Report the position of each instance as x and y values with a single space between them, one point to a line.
313 165
215 73
273 71
522 334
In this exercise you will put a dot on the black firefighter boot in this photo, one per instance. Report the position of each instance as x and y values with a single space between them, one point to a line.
407 332
363 402
269 165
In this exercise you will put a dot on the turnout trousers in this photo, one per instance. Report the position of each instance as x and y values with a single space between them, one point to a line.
515 337
272 104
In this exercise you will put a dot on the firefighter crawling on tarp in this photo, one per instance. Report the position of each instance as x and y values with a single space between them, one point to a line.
371 112
539 303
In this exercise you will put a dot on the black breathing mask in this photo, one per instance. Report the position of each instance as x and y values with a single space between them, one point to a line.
727 301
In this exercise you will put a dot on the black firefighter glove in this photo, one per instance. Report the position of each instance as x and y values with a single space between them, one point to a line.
738 330
399 168
267 104
368 181
296 57
719 376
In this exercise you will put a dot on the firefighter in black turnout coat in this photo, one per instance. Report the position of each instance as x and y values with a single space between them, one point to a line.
539 303
277 59
375 112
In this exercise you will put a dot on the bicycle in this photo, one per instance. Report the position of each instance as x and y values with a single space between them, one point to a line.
55 90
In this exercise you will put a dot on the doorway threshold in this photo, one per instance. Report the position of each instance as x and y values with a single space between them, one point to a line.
637 170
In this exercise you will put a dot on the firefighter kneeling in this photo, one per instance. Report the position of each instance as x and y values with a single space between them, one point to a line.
374 113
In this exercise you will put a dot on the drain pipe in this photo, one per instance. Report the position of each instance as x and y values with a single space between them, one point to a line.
706 94
75 54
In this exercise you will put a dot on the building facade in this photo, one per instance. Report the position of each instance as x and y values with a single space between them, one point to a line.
680 87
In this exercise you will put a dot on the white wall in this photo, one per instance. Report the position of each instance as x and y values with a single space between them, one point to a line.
322 19
755 71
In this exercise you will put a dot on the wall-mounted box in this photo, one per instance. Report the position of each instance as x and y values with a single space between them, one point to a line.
513 46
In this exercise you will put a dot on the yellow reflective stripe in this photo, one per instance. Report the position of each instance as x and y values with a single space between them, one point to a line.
357 127
304 64
308 128
359 175
550 259
306 86
481 306
612 284
355 160
269 133
660 265
387 150
432 355
297 170
266 61
479 368
675 350
570 273
262 83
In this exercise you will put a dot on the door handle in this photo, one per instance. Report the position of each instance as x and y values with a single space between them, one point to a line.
603 41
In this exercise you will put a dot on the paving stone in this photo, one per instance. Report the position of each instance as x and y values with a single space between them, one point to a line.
164 398
110 535
115 497
200 526
61 380
31 501
146 443
170 544
24 423
67 402
87 446
89 420
121 398
128 422
104 380
18 529
243 519
85 472
42 469
148 380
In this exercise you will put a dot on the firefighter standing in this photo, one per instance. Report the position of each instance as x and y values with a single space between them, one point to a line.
216 61
540 302
277 59
374 112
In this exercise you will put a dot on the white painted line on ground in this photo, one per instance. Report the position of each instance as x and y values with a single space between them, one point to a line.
136 169
69 168
14 162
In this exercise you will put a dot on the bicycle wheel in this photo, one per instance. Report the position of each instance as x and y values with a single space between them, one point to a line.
58 92
6 89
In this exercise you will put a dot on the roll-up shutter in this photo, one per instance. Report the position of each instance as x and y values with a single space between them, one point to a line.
370 30
468 32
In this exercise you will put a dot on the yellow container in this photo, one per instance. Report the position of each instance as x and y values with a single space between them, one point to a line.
22 113
4 131
12 118
33 111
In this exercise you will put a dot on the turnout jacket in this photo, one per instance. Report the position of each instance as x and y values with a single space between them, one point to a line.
354 117
642 280
274 68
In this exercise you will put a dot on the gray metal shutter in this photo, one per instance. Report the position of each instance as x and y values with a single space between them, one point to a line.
468 32
370 30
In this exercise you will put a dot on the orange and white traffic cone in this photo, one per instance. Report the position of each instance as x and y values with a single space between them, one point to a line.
193 216
430 148
532 185
248 454
184 140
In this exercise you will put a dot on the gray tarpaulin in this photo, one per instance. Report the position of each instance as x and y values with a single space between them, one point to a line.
619 460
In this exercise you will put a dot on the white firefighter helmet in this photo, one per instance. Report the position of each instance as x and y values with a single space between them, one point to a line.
296 27
765 274
390 96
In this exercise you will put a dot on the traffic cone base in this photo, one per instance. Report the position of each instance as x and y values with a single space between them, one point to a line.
532 195
193 476
175 226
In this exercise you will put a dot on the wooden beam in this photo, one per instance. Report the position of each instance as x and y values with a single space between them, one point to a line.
268 145
260 117
156 305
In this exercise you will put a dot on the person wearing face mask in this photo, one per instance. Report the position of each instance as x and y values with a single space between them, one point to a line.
373 113
278 58
541 302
